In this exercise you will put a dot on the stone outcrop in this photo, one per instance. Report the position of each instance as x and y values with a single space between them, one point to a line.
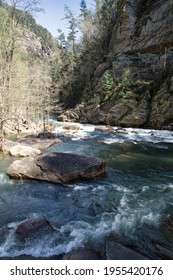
57 167
142 43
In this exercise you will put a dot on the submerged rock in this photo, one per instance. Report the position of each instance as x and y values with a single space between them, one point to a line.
33 228
57 167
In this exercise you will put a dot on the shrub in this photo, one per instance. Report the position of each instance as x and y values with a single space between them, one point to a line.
107 82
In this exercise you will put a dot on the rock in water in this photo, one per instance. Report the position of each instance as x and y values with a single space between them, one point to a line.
57 167
33 228
24 151
82 254
117 251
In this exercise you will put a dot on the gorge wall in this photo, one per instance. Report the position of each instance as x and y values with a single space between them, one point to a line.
134 84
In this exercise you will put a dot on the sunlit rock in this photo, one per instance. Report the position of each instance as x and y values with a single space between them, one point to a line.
24 151
57 167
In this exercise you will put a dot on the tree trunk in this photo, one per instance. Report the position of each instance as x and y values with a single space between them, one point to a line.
1 136
1 124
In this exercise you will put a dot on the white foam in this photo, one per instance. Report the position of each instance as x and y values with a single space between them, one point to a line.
145 188
4 179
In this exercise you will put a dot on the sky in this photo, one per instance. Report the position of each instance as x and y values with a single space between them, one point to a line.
53 14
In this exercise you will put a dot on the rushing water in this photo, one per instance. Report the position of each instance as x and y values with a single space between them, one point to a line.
136 191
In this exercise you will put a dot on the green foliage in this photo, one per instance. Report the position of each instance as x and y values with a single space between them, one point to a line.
126 85
73 27
127 80
127 90
55 71
107 82
83 8
163 103
62 39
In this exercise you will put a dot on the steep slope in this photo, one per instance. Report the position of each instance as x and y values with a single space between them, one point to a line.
134 86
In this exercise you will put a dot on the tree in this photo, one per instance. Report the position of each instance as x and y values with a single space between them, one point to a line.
73 27
83 8
62 39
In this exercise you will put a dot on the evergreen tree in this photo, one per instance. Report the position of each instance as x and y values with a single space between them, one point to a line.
83 8
73 27
62 39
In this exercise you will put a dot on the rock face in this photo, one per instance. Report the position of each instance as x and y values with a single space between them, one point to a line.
33 228
141 43
57 167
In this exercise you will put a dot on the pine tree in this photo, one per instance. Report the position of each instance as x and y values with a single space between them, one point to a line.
83 8
73 27
62 39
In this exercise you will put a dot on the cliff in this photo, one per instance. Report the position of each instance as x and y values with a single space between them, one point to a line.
134 84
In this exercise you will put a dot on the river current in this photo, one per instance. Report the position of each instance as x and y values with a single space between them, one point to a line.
136 192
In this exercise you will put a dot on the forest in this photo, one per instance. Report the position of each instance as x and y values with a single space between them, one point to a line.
37 68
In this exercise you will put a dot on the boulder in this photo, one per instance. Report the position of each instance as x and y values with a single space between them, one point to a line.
24 151
117 251
82 254
106 128
34 227
46 135
28 146
57 167
167 227
41 144
8 145
72 127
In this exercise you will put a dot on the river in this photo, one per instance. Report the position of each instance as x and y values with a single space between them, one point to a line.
136 192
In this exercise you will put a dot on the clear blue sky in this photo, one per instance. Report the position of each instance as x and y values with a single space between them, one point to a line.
53 13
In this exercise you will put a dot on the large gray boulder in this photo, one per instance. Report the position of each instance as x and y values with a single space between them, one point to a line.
57 167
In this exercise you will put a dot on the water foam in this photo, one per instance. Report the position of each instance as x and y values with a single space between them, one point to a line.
5 180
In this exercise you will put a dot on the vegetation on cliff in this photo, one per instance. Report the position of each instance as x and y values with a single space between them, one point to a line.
124 66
